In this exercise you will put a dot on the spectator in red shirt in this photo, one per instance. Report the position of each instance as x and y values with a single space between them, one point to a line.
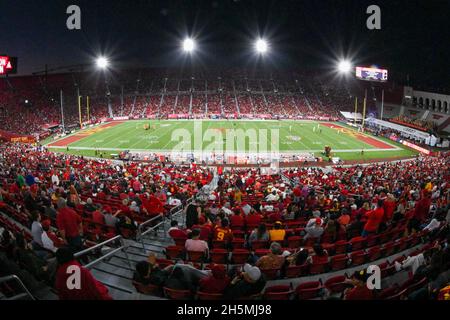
374 218
175 231
421 211
389 207
236 220
216 282
253 219
359 291
69 224
69 287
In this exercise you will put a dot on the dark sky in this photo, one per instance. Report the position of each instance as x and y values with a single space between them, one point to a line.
414 38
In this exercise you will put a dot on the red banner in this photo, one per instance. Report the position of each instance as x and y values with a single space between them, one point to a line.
12 137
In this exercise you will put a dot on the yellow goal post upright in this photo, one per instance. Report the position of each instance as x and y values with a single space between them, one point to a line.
79 111
87 109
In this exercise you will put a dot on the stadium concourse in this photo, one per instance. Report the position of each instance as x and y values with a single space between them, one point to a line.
155 230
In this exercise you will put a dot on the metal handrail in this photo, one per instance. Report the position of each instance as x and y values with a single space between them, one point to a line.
17 279
107 255
143 224
101 244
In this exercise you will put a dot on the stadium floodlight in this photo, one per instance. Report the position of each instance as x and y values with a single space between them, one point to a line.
344 66
188 45
261 46
102 62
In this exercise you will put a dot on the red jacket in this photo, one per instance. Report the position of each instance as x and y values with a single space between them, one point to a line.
90 288
374 218
68 220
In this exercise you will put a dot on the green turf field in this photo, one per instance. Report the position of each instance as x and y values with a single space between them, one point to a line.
213 136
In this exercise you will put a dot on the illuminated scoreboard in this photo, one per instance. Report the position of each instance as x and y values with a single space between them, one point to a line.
8 65
371 74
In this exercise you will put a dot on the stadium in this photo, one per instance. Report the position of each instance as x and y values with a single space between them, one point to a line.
207 182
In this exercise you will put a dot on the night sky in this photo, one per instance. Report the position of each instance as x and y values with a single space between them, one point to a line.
414 39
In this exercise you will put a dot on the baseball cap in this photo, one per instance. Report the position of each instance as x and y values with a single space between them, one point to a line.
252 272
46 223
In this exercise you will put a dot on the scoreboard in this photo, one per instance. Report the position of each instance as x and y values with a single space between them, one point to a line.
8 65
371 74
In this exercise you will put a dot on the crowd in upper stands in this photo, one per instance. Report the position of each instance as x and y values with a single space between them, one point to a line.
423 125
29 103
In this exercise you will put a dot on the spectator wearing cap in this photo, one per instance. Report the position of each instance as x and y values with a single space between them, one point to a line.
314 229
217 282
273 260
69 224
277 233
89 289
247 283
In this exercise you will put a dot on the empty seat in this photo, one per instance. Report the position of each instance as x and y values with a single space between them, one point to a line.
338 262
317 268
336 284
358 243
340 246
240 256
358 257
279 292
309 290
219 255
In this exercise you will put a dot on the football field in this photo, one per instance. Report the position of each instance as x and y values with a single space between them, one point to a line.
251 136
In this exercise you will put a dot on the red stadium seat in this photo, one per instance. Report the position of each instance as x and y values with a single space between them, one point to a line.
174 252
338 262
219 256
177 294
260 245
308 290
279 292
358 257
374 253
240 256
196 256
317 268
336 284
238 243
340 246
358 243
297 271
294 242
